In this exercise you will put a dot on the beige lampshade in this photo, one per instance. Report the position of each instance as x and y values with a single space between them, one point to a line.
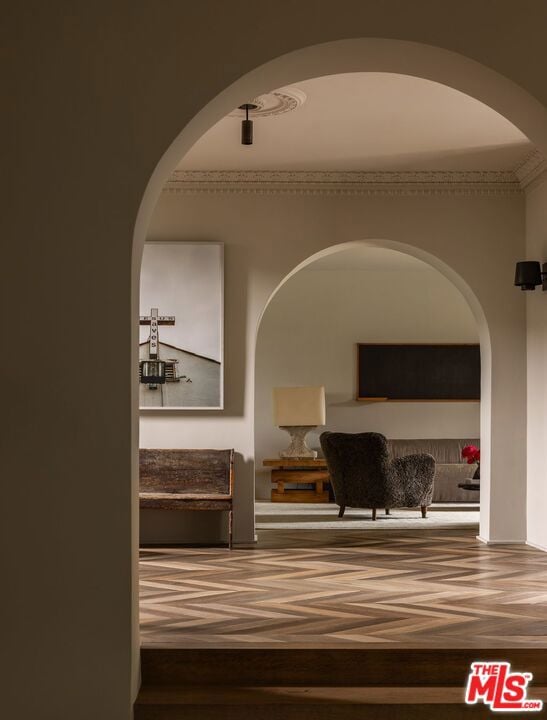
299 406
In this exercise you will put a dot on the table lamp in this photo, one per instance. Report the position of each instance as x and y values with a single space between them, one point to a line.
298 410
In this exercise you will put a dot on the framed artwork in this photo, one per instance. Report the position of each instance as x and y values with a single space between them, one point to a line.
181 326
419 372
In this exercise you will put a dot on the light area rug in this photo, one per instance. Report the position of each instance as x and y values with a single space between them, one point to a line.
322 516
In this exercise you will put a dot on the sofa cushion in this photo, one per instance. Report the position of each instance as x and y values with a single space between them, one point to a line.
447 478
443 450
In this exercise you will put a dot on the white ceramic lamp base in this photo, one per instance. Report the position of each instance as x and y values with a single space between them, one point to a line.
298 447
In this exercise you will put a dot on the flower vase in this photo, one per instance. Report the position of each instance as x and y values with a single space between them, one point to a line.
477 473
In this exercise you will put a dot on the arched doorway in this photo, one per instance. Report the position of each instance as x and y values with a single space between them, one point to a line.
504 519
467 76
298 326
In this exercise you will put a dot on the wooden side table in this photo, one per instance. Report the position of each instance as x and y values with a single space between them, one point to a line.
304 471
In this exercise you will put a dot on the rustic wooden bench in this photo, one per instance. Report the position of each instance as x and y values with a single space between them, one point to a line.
187 480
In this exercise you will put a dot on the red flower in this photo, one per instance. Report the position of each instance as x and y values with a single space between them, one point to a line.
472 454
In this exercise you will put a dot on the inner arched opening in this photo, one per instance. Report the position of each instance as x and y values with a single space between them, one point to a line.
364 299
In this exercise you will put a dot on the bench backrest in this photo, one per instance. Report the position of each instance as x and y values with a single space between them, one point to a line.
187 471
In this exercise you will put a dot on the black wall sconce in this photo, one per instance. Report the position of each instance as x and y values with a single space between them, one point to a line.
529 274
247 125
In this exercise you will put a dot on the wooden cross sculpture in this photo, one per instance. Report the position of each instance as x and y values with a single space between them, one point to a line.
155 320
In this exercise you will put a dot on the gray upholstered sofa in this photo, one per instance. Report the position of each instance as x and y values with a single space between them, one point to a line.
450 468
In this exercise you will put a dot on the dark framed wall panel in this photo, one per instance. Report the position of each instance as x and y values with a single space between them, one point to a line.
418 372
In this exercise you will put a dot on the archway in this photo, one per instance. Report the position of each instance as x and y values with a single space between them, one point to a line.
403 58
442 66
430 261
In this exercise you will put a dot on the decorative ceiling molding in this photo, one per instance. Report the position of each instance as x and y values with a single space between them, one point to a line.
274 103
474 182
540 179
351 176
531 168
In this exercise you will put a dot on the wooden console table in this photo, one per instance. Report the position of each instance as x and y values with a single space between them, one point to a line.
304 471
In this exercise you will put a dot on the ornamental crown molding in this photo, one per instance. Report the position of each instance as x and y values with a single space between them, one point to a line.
408 182
342 176
531 168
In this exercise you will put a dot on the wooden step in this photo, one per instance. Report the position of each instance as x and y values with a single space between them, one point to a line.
341 667
319 684
303 703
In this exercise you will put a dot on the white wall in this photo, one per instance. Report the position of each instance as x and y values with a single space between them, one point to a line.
308 335
536 310
267 235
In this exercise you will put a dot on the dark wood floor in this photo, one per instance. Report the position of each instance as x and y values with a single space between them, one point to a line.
339 589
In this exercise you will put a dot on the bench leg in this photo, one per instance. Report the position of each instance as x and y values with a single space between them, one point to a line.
230 528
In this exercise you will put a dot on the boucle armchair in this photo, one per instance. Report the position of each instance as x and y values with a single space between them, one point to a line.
363 475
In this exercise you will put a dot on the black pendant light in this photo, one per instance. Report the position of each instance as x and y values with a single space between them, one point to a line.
247 125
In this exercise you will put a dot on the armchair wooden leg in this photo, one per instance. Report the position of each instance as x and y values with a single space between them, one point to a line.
230 529
388 511
424 510
342 511
374 513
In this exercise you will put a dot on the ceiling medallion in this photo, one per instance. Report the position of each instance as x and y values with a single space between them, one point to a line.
276 102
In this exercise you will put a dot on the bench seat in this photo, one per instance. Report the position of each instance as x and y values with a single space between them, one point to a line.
187 480
180 501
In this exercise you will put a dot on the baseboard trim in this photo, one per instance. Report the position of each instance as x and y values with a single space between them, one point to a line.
242 544
513 542
212 544
536 546
501 542
168 544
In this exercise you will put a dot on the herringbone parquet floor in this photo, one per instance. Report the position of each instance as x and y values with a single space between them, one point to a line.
346 588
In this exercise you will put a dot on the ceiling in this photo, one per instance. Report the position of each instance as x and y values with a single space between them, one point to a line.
369 122
368 258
